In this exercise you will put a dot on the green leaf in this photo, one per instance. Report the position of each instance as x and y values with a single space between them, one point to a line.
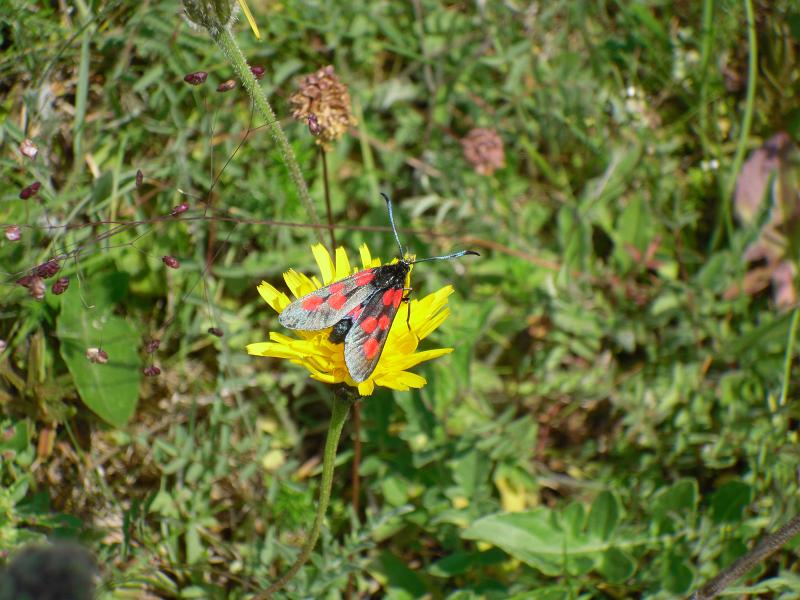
616 566
677 577
534 538
729 501
110 390
604 516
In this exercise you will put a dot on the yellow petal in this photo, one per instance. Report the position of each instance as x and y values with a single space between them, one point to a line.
365 388
298 283
433 322
324 262
276 299
342 264
366 257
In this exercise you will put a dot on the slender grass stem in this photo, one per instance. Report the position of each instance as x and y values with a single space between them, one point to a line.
726 220
787 359
224 39
341 407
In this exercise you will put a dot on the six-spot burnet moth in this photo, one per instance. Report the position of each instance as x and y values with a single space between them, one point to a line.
360 308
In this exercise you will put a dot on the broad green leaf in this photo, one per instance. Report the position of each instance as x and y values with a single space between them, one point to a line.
729 501
616 566
676 575
111 390
535 539
604 516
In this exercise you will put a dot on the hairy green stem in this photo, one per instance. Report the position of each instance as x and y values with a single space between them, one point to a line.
341 407
743 564
233 53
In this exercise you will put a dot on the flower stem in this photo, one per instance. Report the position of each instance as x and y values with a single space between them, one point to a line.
341 406
224 39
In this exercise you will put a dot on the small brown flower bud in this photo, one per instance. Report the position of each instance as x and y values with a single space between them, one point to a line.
29 149
30 191
152 371
47 269
216 331
171 262
152 346
257 71
97 355
181 208
196 78
226 86
313 125
60 286
13 233
139 178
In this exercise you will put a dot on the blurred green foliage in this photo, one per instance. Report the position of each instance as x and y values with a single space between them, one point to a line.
610 424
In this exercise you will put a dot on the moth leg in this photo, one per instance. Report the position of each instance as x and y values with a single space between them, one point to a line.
407 299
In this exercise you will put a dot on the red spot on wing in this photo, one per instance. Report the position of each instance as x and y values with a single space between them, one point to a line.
356 312
388 297
312 302
336 301
384 321
371 348
398 297
336 288
364 277
369 324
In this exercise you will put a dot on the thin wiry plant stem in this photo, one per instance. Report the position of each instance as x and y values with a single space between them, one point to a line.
224 39
743 564
327 186
341 407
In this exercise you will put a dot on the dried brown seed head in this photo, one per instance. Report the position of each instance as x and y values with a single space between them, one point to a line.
483 149
226 86
152 346
323 95
258 71
152 371
47 269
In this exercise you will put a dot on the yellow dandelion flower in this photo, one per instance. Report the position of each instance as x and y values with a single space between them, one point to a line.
325 360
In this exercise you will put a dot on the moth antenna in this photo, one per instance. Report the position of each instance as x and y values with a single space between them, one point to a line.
391 220
447 256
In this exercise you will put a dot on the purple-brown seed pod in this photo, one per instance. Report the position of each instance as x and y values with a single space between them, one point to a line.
13 233
152 371
258 71
30 191
171 262
139 178
47 269
152 346
216 331
226 86
196 78
181 208
60 286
